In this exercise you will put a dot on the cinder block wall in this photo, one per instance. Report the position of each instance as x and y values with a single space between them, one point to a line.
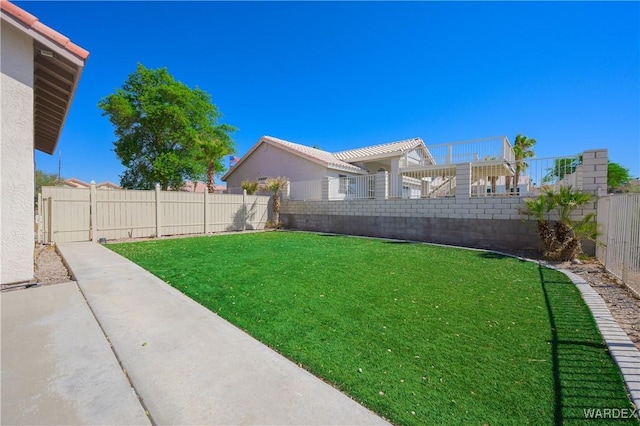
491 223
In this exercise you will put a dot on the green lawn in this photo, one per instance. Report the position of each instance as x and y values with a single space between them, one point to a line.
419 334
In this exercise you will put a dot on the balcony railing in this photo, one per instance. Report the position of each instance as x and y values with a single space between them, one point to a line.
482 179
470 151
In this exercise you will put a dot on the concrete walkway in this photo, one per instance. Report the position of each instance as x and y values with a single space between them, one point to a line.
187 365
57 366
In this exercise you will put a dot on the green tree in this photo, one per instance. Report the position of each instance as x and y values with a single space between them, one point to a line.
212 147
158 123
44 179
522 149
616 176
561 168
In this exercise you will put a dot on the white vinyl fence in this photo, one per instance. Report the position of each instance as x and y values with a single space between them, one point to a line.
619 251
305 190
74 214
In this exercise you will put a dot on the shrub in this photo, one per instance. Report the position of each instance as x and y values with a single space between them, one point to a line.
251 186
562 240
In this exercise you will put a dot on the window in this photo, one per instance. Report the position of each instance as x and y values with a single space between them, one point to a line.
347 184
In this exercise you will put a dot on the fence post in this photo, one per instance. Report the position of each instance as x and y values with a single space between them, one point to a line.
93 203
158 233
50 219
40 217
463 180
382 185
324 188
425 188
244 209
626 239
594 175
206 202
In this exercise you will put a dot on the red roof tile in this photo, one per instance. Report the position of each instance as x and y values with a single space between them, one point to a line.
32 22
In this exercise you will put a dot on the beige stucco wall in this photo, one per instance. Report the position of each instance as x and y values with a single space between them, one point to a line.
16 156
268 160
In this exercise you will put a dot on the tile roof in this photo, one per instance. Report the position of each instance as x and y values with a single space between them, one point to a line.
200 187
316 155
378 151
77 183
32 22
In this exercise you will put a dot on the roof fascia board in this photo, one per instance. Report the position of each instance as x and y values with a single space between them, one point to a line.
344 169
48 43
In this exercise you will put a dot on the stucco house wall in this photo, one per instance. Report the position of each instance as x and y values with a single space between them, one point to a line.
268 160
39 72
16 155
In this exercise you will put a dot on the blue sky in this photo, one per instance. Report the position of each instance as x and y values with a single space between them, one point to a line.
344 75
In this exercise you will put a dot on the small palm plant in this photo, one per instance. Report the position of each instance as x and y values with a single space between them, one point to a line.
562 241
275 185
540 207
251 186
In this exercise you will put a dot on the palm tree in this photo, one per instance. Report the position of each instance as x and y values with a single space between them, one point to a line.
275 185
562 241
522 149
212 148
492 181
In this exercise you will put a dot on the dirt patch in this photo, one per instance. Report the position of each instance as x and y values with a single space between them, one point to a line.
49 268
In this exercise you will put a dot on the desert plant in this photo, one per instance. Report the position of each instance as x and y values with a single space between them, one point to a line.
272 225
562 240
540 207
275 185
251 186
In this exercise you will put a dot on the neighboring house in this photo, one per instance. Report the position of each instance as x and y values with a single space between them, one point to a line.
413 170
299 163
201 186
77 183
39 72
276 157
